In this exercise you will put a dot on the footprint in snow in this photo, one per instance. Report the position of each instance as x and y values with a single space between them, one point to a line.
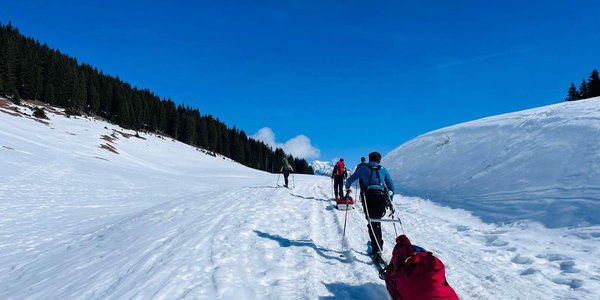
522 260
529 271
572 283
553 257
462 228
493 240
568 267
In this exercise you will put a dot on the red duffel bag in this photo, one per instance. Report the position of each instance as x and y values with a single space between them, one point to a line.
415 274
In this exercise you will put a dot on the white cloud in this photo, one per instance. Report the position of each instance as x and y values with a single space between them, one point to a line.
267 136
299 146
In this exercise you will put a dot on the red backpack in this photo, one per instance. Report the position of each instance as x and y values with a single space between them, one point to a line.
339 168
415 274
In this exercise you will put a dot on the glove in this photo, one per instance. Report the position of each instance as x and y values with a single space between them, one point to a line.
390 206
390 195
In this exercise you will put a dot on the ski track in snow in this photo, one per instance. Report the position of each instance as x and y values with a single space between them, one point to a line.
142 225
243 249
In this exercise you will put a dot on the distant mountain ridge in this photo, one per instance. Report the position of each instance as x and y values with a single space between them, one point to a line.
323 168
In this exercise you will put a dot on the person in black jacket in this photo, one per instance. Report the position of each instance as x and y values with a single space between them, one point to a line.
361 184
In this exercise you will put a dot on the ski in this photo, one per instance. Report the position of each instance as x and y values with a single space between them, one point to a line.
380 265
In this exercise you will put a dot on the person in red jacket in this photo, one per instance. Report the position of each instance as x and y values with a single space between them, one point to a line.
338 175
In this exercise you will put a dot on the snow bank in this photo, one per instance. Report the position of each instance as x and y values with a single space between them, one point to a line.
541 164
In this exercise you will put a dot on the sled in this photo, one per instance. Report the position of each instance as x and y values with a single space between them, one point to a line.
344 203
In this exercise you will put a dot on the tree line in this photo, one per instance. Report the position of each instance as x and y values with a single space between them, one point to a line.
31 70
587 89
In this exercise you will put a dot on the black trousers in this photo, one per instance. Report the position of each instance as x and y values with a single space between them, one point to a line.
285 177
375 206
338 185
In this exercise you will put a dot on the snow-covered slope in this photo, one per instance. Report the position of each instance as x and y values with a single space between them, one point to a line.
157 219
540 164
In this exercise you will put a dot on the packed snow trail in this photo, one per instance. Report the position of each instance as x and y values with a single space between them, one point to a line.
257 242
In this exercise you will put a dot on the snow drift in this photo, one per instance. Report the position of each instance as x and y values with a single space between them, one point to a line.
541 164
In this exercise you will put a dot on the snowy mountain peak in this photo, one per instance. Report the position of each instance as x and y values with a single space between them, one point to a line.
323 168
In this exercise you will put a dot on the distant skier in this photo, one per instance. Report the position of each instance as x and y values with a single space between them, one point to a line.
286 168
378 193
339 174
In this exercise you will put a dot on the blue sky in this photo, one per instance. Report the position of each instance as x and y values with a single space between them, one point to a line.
351 76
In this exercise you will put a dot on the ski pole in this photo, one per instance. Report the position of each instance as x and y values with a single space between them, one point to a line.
279 175
293 181
356 192
345 218
392 215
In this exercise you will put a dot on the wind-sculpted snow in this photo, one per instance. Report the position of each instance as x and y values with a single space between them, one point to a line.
541 164
162 220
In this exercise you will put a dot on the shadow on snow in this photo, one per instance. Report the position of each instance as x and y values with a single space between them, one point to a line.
341 290
311 198
283 242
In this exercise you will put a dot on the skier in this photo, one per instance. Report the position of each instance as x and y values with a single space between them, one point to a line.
362 186
378 194
286 169
338 175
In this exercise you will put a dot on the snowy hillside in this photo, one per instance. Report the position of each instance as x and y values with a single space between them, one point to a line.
540 164
91 211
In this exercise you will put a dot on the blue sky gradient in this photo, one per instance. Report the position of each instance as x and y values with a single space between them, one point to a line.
353 76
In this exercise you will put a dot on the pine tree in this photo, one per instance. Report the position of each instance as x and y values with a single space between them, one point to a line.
93 97
573 94
594 84
8 62
584 92
203 133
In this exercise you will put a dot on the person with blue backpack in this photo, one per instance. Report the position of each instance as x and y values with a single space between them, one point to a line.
378 194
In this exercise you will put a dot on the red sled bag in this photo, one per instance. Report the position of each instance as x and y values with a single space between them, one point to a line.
344 203
415 274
